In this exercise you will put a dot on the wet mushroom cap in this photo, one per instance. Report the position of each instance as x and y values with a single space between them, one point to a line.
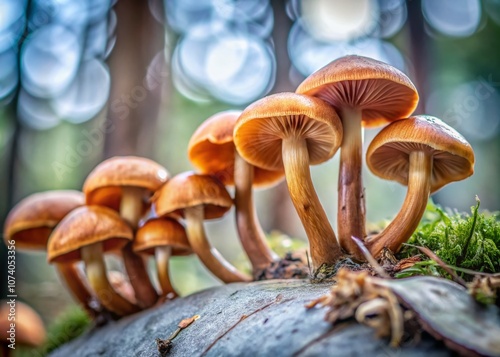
103 185
383 92
388 154
30 330
85 226
32 220
211 150
162 232
189 190
263 125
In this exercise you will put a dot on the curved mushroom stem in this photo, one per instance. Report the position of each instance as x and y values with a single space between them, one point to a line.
96 274
322 241
209 256
408 218
162 258
75 283
251 235
131 211
351 199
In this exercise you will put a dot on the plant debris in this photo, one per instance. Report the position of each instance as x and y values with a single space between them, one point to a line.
356 294
164 346
486 289
290 267
404 307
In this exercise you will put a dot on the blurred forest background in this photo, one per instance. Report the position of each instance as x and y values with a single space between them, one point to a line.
84 80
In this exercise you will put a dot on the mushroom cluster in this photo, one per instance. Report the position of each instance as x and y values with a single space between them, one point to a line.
132 208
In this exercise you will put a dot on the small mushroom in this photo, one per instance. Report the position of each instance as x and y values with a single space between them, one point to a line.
162 238
212 151
196 198
28 327
292 131
30 223
125 183
424 154
368 93
86 234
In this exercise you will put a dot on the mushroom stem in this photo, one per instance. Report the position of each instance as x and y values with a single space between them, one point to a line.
131 211
408 218
209 256
322 241
162 258
95 268
131 205
351 199
251 235
75 283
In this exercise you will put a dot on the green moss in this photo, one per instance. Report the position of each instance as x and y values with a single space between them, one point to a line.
469 241
68 326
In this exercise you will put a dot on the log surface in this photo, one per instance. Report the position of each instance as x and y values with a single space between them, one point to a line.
255 319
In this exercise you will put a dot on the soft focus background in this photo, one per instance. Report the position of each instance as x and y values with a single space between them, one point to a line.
84 80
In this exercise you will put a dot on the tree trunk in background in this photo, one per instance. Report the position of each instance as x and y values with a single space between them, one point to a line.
280 198
419 51
136 82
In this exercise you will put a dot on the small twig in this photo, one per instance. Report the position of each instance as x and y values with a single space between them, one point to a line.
164 346
371 260
442 264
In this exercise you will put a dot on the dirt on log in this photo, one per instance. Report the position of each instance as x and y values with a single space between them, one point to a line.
255 319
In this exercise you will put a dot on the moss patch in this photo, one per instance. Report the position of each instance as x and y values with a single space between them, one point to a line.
467 241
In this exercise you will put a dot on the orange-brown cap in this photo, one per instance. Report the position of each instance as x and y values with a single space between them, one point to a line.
162 232
31 221
29 329
189 190
263 125
103 185
388 153
84 226
383 92
211 150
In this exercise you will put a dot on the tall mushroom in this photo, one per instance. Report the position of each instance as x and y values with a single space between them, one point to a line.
30 223
162 238
368 93
196 198
28 327
212 151
125 183
292 131
86 234
424 154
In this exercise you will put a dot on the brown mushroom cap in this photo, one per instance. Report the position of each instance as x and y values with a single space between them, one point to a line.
85 226
30 330
188 190
263 125
383 92
31 221
388 154
211 150
103 185
162 232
